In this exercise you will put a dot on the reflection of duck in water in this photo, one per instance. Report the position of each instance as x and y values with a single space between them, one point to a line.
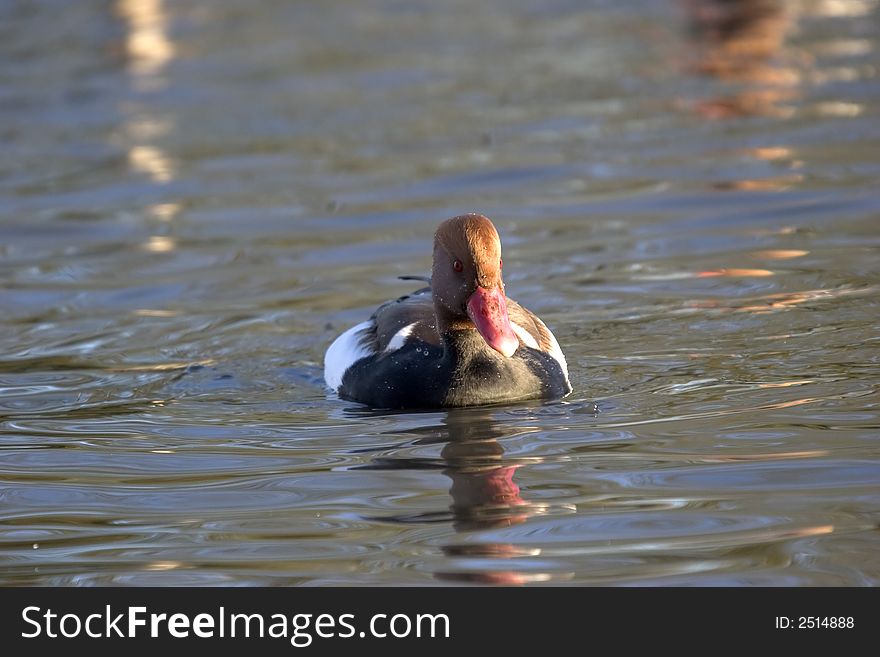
484 495
483 491
459 342
742 42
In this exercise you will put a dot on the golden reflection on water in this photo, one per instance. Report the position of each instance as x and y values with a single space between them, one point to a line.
160 244
779 254
164 565
776 456
165 211
778 300
149 51
800 532
839 108
152 161
772 184
770 153
155 312
147 43
786 384
743 44
164 367
735 273
843 8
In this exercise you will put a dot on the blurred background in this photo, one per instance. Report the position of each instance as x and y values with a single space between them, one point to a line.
197 196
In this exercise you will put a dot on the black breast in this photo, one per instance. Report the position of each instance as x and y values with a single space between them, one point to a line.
415 376
464 372
483 376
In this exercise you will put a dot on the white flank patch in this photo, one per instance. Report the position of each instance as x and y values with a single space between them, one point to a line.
524 336
345 351
399 338
556 352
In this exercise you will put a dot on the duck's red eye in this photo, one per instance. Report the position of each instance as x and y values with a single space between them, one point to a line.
500 264
457 266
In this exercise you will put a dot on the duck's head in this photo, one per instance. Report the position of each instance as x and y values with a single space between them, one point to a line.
466 279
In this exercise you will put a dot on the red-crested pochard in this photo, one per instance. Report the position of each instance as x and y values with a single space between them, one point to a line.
459 342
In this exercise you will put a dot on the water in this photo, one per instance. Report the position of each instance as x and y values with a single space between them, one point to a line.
196 197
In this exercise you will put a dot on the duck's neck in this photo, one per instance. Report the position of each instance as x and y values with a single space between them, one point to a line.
462 343
457 332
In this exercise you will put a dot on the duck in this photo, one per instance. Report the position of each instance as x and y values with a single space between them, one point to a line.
459 341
